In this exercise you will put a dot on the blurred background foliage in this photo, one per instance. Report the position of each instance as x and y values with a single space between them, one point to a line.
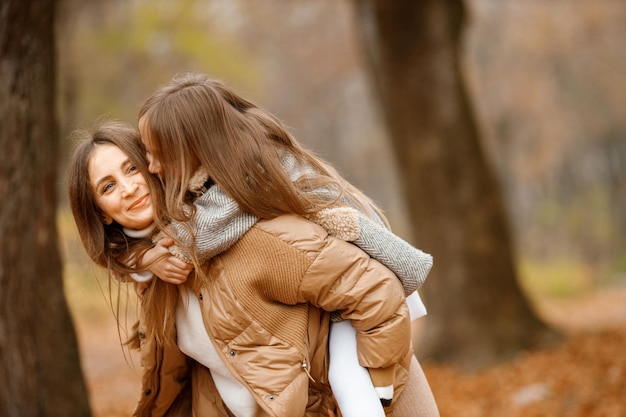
546 79
548 83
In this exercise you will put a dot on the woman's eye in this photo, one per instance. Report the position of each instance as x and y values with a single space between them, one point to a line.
133 168
107 187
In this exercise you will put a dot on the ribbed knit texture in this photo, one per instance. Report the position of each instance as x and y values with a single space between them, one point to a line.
410 264
277 280
417 399
217 224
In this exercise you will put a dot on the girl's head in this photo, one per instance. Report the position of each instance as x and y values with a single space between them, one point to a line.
198 121
195 120
109 188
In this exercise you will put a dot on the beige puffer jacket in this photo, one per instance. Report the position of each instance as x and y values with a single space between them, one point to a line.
266 306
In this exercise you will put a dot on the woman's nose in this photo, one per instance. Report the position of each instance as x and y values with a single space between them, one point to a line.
129 187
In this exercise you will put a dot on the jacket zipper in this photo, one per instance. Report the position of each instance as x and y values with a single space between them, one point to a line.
305 367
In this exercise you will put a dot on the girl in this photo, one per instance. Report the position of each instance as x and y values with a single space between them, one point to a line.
196 128
260 324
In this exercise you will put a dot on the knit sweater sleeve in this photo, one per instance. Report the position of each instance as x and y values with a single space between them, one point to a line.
366 230
218 223
411 265
408 263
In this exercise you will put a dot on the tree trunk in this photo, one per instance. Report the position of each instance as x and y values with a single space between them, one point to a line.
40 373
477 313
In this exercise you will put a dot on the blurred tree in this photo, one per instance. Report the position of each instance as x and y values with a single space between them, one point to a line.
552 101
40 373
478 313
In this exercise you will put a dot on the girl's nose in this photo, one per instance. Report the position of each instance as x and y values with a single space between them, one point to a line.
154 167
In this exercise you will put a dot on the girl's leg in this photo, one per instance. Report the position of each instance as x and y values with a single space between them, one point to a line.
417 399
350 382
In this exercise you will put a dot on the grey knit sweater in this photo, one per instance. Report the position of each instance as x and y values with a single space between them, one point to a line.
219 223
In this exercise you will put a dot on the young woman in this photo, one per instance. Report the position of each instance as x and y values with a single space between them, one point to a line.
197 128
286 270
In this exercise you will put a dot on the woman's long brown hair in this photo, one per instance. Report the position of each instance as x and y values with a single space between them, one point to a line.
107 245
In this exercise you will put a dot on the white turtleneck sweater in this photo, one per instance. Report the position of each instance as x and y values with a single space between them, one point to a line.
193 341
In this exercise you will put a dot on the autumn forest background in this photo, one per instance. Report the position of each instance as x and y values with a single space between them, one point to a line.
546 79
529 323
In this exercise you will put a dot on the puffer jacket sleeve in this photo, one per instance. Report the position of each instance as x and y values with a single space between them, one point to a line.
408 263
345 279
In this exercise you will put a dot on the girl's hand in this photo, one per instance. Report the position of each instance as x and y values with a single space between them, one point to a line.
169 268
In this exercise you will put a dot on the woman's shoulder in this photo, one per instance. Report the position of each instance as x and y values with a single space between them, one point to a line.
294 230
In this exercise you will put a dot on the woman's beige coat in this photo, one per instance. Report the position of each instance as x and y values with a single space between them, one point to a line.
266 305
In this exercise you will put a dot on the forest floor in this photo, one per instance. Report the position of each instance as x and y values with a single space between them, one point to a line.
584 376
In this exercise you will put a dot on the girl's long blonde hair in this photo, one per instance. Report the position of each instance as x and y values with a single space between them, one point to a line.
197 121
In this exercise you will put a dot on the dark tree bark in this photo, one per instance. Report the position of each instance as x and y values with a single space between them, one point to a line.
477 312
40 373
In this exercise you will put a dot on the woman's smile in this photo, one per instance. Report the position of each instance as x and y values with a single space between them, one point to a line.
120 190
140 202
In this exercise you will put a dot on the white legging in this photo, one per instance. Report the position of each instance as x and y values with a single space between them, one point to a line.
350 382
352 385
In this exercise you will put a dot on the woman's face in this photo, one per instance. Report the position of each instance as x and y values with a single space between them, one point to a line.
120 190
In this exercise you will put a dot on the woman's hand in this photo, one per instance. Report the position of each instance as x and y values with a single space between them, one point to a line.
166 266
332 413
